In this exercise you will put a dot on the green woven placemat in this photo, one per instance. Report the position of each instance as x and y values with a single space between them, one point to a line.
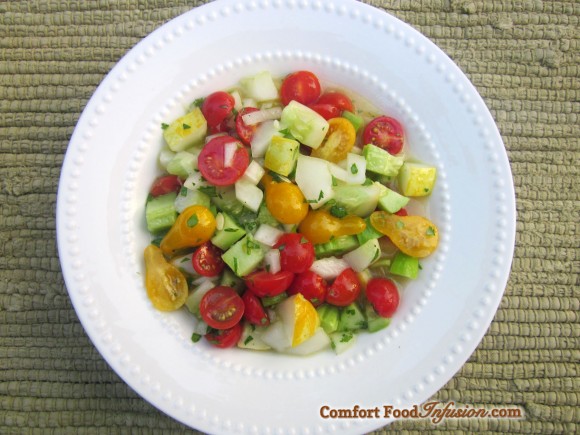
521 55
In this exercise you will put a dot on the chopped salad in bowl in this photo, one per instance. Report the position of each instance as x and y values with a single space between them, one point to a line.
287 218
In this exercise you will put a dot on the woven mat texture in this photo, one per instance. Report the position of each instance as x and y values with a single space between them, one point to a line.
522 56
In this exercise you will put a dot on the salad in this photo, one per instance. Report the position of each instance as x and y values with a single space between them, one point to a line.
283 218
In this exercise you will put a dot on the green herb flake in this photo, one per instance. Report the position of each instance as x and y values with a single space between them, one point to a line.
376 256
354 169
311 201
230 230
248 339
186 126
236 266
198 102
192 221
303 240
195 337
320 195
420 267
350 312
208 190
368 182
164 126
332 345
400 225
183 191
338 211
430 231
426 189
281 247
346 337
185 260
263 321
314 301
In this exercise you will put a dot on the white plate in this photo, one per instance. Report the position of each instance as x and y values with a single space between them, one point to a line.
110 164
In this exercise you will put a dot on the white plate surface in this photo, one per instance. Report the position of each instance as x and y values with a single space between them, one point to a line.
111 161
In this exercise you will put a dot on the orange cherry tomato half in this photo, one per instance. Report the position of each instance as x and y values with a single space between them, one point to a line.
221 307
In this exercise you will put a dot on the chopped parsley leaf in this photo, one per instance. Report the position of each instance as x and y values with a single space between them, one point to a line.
346 337
186 126
354 169
198 102
338 211
281 247
164 126
320 195
430 231
192 221
183 191
236 266
230 230
195 337
263 321
208 190
248 339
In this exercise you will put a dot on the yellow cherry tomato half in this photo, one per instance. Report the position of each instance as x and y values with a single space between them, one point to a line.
286 202
320 226
413 235
338 141
165 284
193 227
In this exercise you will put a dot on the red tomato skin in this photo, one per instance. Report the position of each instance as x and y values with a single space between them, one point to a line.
296 253
266 284
225 338
327 111
211 162
207 260
165 184
337 99
254 312
216 107
221 307
383 295
386 133
344 290
245 132
301 86
311 285
402 212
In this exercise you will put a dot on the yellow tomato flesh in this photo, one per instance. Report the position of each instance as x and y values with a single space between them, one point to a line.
320 226
413 235
286 202
338 141
193 227
165 284
306 320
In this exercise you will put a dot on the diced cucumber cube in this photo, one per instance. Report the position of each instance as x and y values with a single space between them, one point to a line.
182 164
244 256
229 279
342 341
392 201
356 121
368 234
230 233
374 321
337 246
329 317
405 265
265 217
188 197
165 156
352 318
363 256
225 199
194 298
359 200
381 162
304 124
260 87
186 131
416 179
160 213
281 155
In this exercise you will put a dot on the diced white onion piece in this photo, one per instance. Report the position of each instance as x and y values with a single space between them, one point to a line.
276 336
219 222
329 268
263 136
253 118
204 283
230 149
338 172
237 100
272 261
213 136
249 102
194 181
249 194
254 173
268 235
356 168
200 327
314 180
314 344
363 256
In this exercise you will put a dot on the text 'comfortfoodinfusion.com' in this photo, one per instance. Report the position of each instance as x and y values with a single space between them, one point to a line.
435 411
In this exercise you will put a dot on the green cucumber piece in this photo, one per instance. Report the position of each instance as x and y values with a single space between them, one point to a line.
356 121
304 124
281 155
392 201
405 265
188 197
375 322
186 131
229 279
160 212
265 217
329 317
269 301
352 318
337 246
229 234
359 200
193 300
342 341
225 199
183 164
381 162
368 234
244 256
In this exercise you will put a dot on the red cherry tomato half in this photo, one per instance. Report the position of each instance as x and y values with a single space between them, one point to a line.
221 307
211 161
223 338
344 290
245 132
386 133
402 212
338 100
311 285
327 111
301 86
165 184
207 260
266 284
383 295
253 310
216 107
296 252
